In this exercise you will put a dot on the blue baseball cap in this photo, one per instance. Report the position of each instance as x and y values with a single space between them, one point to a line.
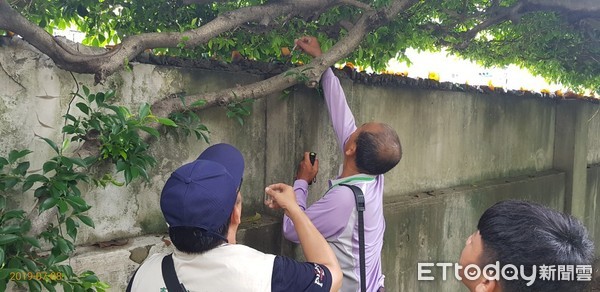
203 193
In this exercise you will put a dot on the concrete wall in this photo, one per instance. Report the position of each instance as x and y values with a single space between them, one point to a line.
592 210
432 227
462 152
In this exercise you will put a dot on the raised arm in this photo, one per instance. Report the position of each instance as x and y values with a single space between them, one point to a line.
314 246
339 111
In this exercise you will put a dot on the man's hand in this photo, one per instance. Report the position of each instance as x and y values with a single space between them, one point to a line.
309 45
283 197
306 170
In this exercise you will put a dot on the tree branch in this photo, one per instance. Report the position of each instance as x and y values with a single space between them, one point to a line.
574 12
313 70
497 15
105 64
396 7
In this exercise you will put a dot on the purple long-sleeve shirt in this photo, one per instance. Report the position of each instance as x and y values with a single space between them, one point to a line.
335 215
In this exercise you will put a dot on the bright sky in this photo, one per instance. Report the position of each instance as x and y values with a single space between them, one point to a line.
453 69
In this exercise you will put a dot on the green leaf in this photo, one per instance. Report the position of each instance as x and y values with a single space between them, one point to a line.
86 90
144 110
52 144
31 266
32 241
69 129
41 192
2 256
77 203
100 97
5 272
27 186
49 166
150 131
71 227
3 162
14 155
62 207
90 160
63 246
36 178
30 180
10 229
198 103
12 214
48 286
25 226
86 220
90 278
34 285
10 182
65 145
79 162
128 175
21 168
2 203
84 108
109 94
67 287
167 122
48 203
61 258
8 238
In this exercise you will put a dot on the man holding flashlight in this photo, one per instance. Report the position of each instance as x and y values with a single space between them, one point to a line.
369 151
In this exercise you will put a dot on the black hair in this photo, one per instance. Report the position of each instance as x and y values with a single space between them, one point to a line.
529 234
379 151
194 240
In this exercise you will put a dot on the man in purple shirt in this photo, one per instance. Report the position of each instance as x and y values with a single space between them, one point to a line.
369 151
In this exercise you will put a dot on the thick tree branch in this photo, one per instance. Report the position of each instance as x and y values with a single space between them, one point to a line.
313 70
582 6
574 12
105 64
396 7
274 84
497 16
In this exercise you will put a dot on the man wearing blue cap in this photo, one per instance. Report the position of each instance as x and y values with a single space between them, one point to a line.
202 205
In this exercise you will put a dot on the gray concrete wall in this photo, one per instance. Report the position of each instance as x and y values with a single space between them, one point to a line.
593 141
468 150
432 227
592 210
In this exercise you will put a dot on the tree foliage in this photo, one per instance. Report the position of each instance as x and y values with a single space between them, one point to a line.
554 39
34 246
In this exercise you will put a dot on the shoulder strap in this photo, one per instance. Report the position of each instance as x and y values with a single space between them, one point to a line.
360 207
170 276
131 281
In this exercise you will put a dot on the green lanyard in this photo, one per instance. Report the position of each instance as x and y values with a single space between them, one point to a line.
352 179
